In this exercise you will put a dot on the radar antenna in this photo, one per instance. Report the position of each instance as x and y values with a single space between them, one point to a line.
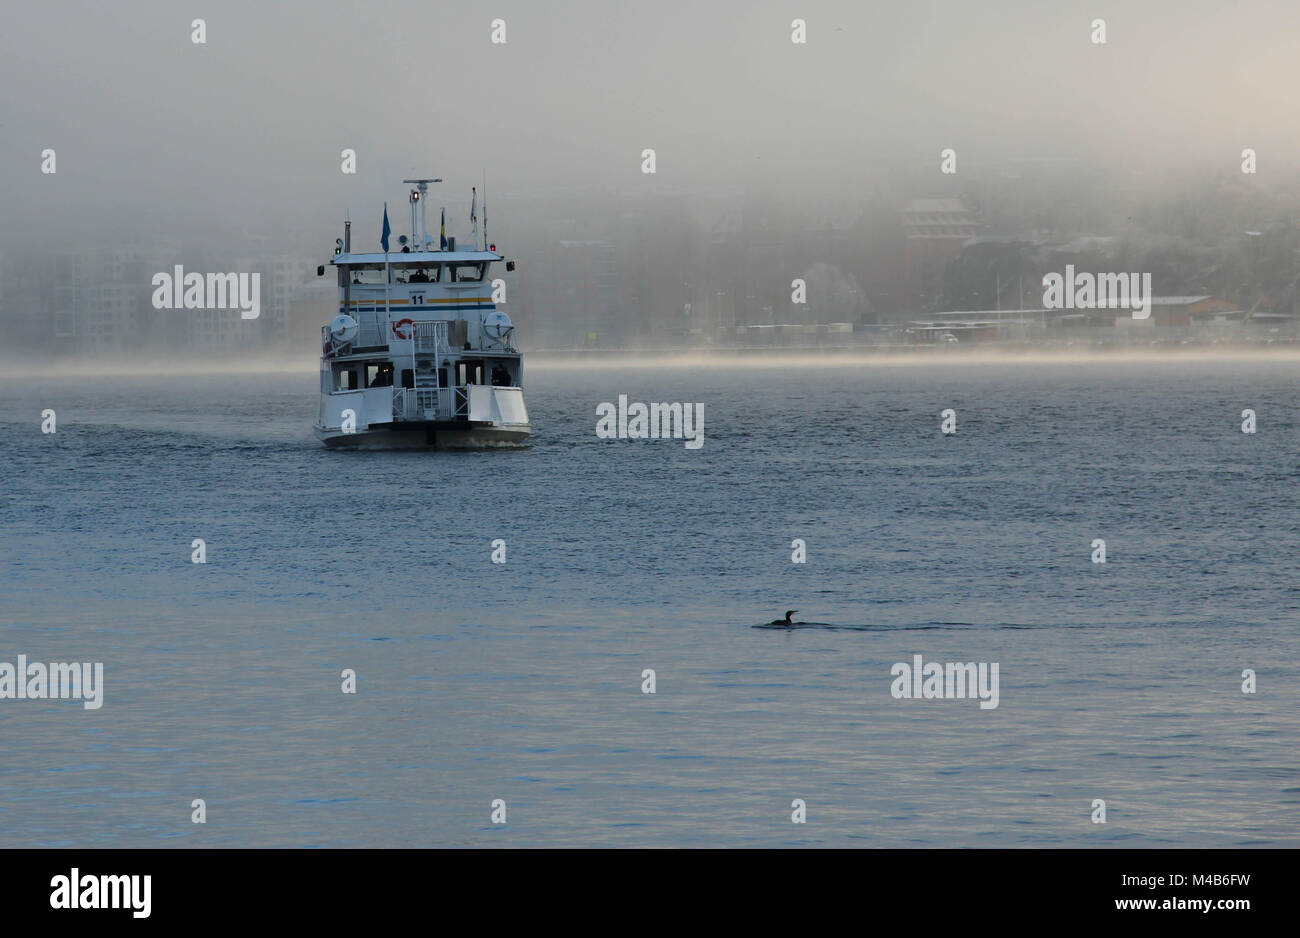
421 189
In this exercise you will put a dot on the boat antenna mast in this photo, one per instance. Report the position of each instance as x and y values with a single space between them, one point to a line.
421 190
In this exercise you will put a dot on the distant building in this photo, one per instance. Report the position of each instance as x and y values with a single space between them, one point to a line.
934 231
311 306
587 285
981 325
283 277
99 299
279 278
28 303
1180 311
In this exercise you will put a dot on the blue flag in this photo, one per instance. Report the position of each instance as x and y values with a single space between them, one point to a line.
383 238
444 228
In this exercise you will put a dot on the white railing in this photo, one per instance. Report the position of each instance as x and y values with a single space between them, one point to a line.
429 403
426 402
371 334
413 404
374 332
404 404
431 336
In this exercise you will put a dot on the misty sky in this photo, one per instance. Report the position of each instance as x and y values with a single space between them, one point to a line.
248 128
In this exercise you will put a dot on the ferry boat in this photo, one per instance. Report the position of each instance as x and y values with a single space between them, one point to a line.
418 355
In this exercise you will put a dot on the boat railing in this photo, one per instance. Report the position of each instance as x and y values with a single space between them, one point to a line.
371 333
431 336
374 332
407 404
403 404
423 403
426 401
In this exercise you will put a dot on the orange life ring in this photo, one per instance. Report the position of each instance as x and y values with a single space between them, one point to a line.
397 328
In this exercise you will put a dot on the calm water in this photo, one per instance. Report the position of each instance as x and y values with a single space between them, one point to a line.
523 682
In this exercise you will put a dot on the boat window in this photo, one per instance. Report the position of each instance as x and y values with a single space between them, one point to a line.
347 379
421 273
462 273
368 274
379 375
408 378
468 372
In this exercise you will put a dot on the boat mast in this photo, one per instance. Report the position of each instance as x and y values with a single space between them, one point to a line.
347 270
422 185
388 277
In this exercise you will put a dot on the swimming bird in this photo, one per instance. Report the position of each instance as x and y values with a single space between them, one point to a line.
786 620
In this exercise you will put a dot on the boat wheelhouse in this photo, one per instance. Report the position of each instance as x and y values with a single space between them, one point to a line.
418 355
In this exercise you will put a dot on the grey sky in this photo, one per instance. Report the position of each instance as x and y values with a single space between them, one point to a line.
250 126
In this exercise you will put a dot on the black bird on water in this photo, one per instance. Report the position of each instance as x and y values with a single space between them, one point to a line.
786 620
